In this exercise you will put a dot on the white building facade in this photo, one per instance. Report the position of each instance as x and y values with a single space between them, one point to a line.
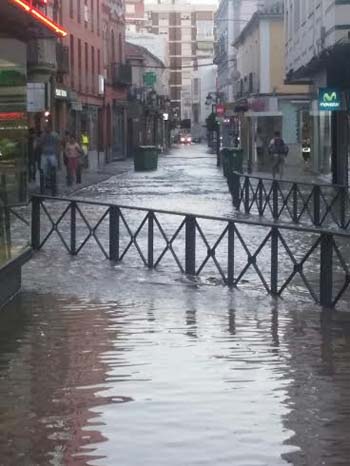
189 30
317 50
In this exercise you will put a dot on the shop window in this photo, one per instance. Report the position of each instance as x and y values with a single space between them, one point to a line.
15 143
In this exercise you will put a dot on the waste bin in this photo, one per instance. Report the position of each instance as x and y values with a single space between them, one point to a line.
146 158
232 160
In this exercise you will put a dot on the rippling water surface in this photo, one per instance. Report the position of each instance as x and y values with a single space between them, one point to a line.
121 366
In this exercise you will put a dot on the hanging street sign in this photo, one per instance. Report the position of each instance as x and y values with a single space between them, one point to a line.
329 99
149 78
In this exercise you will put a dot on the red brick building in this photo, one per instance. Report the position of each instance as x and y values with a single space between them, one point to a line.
90 98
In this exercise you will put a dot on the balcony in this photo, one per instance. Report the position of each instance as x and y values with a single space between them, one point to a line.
62 57
41 56
121 74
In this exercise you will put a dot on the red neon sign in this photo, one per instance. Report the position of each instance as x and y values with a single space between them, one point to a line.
38 15
10 116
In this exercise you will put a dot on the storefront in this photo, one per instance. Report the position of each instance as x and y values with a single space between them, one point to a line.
22 24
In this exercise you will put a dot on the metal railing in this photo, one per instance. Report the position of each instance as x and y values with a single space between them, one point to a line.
278 257
321 205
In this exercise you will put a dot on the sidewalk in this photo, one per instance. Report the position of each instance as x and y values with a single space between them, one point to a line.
294 173
88 178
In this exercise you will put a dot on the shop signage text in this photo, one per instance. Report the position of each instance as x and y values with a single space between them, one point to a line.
61 93
329 99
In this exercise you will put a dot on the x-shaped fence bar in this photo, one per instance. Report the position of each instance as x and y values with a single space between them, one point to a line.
231 270
313 204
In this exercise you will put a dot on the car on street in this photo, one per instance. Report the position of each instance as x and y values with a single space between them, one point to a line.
185 139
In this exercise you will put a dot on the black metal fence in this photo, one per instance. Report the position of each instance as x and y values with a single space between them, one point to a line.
233 252
298 202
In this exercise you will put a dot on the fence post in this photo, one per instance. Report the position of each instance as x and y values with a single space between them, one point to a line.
73 228
190 260
317 205
326 272
36 223
246 194
275 199
274 260
231 254
295 203
235 189
114 234
150 239
342 206
260 196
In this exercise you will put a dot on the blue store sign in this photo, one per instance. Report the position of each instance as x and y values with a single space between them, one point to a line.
329 99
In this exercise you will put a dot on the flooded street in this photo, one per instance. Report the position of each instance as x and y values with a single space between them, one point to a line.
114 365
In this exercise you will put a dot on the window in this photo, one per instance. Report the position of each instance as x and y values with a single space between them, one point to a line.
113 46
205 29
79 65
93 76
71 8
72 59
87 66
79 10
86 13
120 48
98 16
92 15
98 62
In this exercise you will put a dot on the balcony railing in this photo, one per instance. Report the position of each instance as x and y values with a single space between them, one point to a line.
41 55
121 74
62 57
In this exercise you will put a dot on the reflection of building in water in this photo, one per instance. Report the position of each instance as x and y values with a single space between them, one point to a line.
51 374
318 391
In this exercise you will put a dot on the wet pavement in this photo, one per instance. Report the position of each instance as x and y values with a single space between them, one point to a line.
117 365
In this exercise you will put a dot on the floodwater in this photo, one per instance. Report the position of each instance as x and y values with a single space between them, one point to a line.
122 366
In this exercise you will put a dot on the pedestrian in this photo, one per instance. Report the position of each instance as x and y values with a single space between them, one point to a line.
259 149
64 141
85 143
49 146
74 155
31 155
278 151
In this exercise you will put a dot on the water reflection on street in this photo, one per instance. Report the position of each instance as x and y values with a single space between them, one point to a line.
110 365
172 375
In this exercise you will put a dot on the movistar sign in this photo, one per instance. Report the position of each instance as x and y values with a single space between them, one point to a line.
329 99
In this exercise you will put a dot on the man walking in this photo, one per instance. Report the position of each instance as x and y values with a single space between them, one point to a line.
50 150
278 151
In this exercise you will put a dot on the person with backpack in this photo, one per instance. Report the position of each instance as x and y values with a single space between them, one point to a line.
278 151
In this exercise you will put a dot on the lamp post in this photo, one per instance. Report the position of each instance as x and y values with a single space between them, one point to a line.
213 99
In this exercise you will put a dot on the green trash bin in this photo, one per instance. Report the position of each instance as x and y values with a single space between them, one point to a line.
232 160
146 158
237 159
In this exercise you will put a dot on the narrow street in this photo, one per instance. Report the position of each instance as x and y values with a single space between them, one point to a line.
119 365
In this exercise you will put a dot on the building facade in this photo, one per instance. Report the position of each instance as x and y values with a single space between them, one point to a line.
264 102
316 51
149 104
26 29
97 80
230 18
188 29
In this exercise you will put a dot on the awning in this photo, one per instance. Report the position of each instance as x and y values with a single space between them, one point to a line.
24 22
263 114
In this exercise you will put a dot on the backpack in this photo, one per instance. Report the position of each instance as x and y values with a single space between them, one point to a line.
279 147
